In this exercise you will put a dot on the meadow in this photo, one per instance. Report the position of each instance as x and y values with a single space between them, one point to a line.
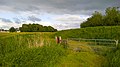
26 49
100 32
39 49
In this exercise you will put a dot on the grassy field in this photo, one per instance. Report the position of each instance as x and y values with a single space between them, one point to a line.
102 32
28 50
40 50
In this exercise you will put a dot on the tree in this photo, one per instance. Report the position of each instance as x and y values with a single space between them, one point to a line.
24 28
94 20
12 29
36 28
111 18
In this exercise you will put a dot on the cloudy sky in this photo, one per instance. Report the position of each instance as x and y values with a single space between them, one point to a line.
61 14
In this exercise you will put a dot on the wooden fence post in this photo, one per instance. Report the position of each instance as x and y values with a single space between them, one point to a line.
58 39
95 42
117 43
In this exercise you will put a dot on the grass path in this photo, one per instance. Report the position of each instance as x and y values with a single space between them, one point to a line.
86 57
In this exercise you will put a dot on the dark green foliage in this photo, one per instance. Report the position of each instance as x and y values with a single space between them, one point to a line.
112 18
36 28
12 29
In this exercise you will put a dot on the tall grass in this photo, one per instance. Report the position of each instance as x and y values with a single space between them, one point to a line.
44 57
113 58
25 50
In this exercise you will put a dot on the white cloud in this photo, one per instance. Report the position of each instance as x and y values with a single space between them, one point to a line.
71 18
5 25
16 25
68 21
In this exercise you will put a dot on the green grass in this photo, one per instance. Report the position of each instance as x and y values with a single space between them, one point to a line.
40 50
44 57
103 32
82 59
28 50
86 57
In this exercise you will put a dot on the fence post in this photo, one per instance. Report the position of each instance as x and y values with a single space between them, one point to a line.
95 42
58 39
116 43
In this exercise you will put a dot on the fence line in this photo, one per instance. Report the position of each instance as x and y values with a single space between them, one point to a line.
97 41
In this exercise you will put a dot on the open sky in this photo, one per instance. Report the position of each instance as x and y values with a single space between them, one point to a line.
61 14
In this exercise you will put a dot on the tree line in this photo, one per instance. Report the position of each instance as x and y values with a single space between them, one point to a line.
111 18
33 28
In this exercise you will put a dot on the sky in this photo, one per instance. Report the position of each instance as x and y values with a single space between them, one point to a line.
61 14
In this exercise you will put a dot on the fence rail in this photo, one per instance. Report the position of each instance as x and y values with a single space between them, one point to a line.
97 41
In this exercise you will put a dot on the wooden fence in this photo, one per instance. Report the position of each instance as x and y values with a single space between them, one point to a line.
97 41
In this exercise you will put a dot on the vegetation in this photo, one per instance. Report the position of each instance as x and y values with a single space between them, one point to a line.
38 49
85 57
36 28
24 49
102 32
12 29
113 58
111 18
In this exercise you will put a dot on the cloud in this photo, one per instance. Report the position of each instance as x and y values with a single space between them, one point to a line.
5 20
16 20
33 18
6 26
70 18
64 26
68 21
58 6
64 13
